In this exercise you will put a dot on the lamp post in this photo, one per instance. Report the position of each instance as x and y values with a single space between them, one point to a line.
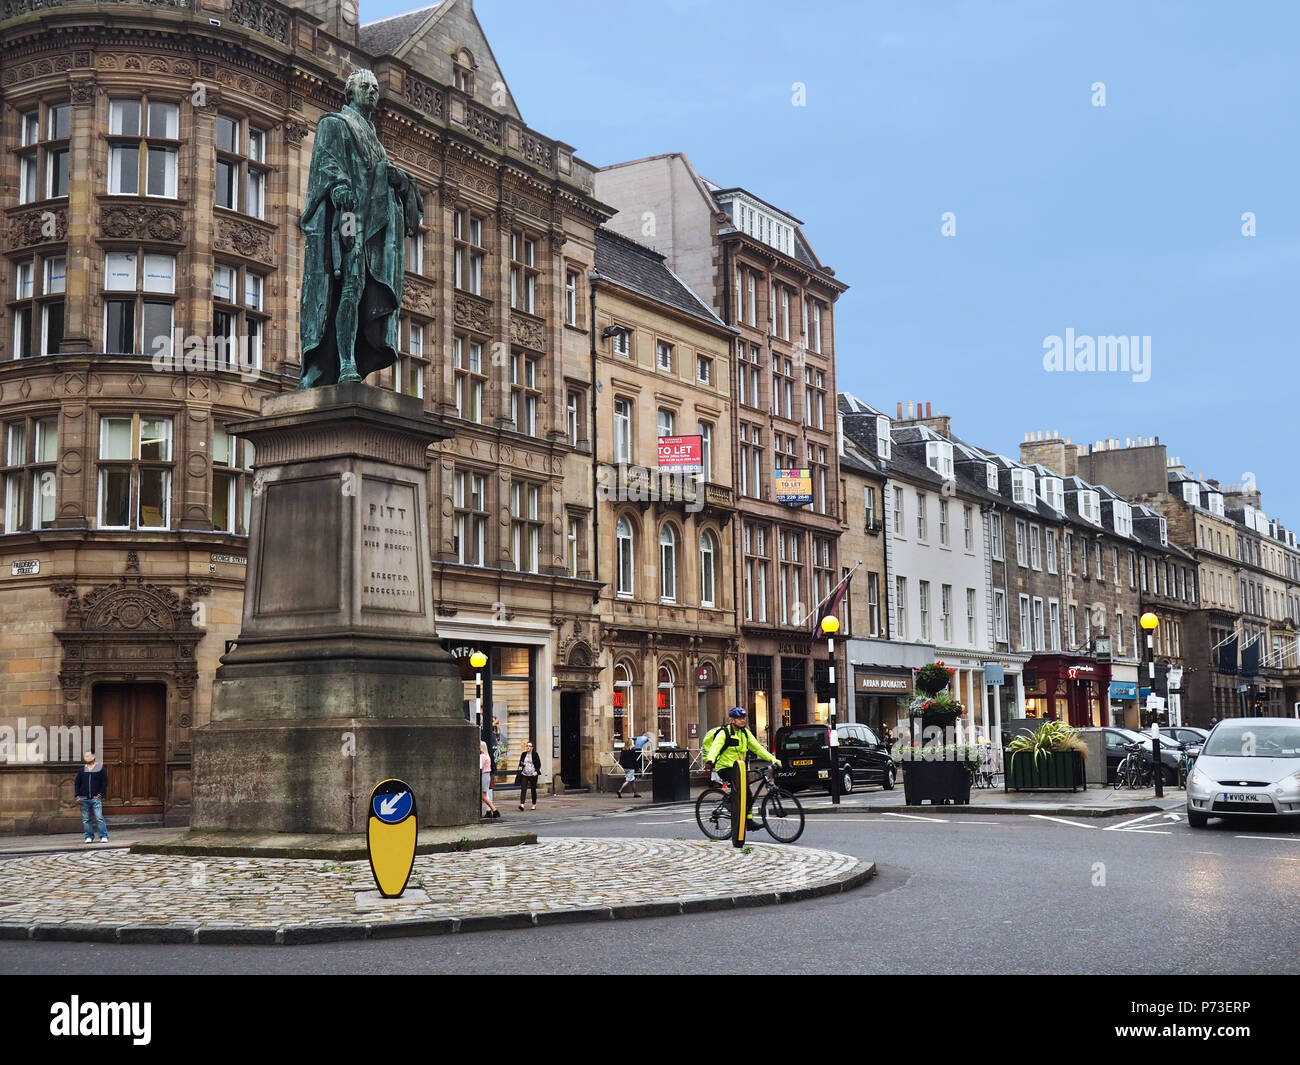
830 626
1149 621
478 660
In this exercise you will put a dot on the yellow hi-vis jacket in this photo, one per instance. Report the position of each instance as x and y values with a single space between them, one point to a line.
731 744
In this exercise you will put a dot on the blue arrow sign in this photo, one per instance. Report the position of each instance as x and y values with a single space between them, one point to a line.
392 808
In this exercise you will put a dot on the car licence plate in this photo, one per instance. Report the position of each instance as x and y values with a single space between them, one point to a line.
802 761
1241 796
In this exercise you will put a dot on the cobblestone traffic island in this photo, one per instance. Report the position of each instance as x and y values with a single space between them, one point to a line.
117 896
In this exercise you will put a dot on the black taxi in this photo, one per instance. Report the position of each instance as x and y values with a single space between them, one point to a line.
805 754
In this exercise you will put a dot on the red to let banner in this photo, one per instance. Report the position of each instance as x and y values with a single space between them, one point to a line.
681 454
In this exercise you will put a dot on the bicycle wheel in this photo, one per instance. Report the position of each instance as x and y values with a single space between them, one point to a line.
713 813
1120 772
782 816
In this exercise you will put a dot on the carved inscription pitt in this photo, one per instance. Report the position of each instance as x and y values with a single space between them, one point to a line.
390 551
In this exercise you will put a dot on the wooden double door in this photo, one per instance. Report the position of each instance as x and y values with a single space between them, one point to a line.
134 720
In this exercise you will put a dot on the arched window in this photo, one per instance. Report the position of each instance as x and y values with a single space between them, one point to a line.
708 581
624 703
666 704
668 564
626 556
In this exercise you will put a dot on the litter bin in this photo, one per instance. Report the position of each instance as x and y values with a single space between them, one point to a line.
671 775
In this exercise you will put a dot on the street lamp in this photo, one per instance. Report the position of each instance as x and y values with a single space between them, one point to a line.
830 626
478 660
1149 621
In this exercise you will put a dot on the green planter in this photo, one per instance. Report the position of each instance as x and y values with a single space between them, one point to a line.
1054 771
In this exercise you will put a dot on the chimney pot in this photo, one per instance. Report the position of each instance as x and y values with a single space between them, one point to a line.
927 408
900 410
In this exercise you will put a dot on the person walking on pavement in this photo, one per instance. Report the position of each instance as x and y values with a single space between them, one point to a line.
629 758
90 789
726 755
530 768
485 779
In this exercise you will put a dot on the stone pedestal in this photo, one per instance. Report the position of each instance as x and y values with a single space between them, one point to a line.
337 680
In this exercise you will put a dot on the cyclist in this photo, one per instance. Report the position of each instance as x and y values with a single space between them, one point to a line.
726 755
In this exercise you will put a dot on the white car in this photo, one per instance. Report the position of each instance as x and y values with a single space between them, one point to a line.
1248 766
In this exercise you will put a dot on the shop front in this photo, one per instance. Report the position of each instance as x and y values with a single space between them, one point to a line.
1124 703
786 682
881 672
511 709
880 699
1068 688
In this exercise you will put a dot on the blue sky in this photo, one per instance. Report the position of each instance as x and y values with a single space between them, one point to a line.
1123 219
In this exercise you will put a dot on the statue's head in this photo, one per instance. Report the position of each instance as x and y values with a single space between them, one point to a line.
362 89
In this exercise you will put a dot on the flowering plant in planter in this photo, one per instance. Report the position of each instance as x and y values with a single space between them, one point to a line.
932 679
937 709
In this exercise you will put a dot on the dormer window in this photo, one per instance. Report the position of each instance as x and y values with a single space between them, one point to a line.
1090 507
938 456
1052 490
1121 514
1022 487
463 71
1164 533
1216 503
1192 493
884 445
991 476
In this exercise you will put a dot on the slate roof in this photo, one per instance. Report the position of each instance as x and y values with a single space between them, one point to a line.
636 267
384 36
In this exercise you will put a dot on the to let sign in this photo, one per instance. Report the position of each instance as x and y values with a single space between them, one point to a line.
793 487
681 454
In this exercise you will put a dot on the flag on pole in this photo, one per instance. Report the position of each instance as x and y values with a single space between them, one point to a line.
831 604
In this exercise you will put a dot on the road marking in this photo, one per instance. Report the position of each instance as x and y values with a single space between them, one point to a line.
1061 820
918 817
1280 839
1149 831
687 821
1132 821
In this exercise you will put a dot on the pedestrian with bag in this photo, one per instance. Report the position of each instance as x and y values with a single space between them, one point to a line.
629 758
90 788
485 779
530 768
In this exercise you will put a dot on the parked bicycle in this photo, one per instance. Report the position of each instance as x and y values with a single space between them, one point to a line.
986 773
780 812
1134 771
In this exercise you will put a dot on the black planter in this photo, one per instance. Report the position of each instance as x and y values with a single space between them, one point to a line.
936 782
1054 771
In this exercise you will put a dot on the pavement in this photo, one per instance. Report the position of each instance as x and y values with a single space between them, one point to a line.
106 894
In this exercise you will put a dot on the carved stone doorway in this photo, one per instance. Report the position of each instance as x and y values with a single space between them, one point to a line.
134 720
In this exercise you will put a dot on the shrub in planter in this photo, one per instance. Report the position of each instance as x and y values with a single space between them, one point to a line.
1050 757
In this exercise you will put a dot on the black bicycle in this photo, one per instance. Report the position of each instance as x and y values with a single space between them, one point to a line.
1134 771
781 813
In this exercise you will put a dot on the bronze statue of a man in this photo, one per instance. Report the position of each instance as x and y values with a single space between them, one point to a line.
359 209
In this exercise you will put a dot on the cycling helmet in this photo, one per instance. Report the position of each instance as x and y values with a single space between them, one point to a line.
738 711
